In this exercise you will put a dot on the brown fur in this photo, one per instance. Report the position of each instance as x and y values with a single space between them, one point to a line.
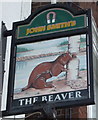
46 70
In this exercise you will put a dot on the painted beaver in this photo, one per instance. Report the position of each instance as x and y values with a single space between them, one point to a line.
46 70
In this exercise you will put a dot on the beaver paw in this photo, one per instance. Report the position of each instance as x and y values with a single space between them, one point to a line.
49 85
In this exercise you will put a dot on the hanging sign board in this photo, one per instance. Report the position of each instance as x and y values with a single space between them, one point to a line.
51 60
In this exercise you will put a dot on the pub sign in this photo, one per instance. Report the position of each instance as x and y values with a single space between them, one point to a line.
51 60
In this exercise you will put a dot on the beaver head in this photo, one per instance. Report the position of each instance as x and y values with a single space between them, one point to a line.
66 57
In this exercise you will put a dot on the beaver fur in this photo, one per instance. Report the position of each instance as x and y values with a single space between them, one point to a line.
46 70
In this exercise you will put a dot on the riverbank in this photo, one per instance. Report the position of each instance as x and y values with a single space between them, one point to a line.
37 56
60 85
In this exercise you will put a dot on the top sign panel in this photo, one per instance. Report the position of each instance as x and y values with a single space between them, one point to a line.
51 21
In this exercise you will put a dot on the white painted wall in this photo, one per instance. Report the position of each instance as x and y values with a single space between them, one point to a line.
0 56
15 10
11 11
92 109
97 101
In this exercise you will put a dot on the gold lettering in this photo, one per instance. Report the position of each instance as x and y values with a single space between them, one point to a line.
40 29
49 27
73 23
28 31
31 30
53 26
63 25
68 24
57 26
34 30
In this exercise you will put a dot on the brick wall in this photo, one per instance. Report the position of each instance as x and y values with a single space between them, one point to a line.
94 8
84 5
36 5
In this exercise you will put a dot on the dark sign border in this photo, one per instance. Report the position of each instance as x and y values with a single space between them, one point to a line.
87 30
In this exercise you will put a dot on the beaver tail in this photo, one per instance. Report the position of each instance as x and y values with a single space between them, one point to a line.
25 88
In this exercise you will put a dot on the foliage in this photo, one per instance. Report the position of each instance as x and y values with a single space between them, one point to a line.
64 43
82 39
21 49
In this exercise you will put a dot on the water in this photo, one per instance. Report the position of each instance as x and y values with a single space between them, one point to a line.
24 68
43 51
